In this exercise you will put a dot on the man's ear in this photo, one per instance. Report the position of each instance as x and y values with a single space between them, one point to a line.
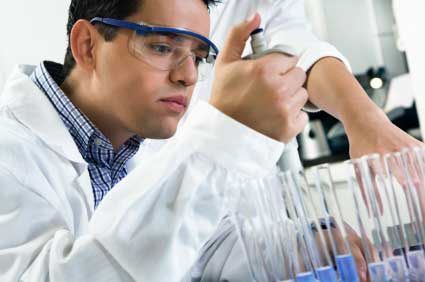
83 41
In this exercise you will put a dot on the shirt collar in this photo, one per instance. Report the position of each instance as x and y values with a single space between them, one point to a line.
48 76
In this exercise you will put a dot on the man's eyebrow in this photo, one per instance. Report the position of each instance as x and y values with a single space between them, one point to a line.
201 45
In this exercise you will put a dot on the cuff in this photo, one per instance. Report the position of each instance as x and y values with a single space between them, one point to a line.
230 143
318 51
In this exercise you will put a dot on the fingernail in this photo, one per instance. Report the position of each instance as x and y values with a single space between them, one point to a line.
251 18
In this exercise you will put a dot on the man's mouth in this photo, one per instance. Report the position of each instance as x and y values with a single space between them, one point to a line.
176 104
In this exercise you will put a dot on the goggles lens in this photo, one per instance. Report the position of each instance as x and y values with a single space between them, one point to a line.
167 51
165 48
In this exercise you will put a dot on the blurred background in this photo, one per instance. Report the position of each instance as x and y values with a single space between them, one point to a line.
27 29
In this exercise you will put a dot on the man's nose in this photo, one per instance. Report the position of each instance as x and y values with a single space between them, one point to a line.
186 71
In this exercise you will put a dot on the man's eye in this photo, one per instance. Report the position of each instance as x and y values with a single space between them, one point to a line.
161 49
198 60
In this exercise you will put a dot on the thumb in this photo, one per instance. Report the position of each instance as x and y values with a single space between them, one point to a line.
237 38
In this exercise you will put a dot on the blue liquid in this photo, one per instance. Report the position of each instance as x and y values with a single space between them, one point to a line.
326 274
347 268
306 277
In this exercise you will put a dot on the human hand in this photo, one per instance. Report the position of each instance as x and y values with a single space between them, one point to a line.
266 94
374 133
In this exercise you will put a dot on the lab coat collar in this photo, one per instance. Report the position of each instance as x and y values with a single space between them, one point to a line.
30 106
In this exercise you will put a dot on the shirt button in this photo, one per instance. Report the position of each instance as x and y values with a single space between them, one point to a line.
98 142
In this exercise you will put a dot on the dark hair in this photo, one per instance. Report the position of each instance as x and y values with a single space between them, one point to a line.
88 9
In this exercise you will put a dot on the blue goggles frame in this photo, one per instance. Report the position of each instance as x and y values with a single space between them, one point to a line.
142 29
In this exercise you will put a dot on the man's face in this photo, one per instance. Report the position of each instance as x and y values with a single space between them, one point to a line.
137 95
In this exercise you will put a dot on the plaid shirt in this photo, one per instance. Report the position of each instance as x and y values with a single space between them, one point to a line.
106 167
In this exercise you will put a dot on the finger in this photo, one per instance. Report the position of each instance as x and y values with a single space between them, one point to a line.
358 247
237 38
339 240
298 99
375 169
278 63
300 121
293 82
355 239
373 251
360 262
359 176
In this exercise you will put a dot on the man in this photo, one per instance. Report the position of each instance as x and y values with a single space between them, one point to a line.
67 132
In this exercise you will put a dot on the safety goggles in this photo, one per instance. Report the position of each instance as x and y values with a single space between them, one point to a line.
166 48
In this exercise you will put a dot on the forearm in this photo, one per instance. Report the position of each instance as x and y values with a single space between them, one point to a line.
334 89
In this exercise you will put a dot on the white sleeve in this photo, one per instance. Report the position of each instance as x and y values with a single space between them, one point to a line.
287 24
151 226
156 233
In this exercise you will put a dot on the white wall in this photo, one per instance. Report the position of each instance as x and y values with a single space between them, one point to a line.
411 20
361 29
350 29
32 31
393 58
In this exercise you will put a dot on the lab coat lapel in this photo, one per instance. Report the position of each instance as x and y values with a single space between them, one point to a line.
30 106
83 184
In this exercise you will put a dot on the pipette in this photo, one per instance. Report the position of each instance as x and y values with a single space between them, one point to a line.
290 159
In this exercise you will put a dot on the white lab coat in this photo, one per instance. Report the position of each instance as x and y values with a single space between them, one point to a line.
150 227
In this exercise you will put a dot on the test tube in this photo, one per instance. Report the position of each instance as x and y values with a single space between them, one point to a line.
305 265
403 174
245 216
273 216
388 226
265 230
393 234
413 161
325 270
419 153
275 221
334 220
